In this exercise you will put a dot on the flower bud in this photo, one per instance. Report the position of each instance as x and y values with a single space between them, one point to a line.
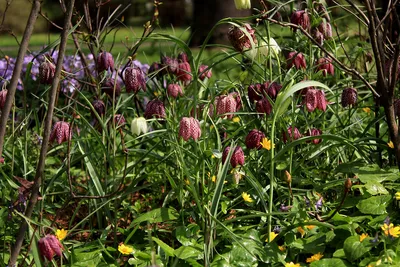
171 64
99 107
325 64
288 177
273 89
183 72
265 46
139 125
61 131
155 108
3 97
189 128
321 100
226 104
348 184
293 134
110 86
254 138
300 18
318 36
46 72
349 97
237 156
174 90
314 132
239 39
49 246
296 59
263 106
105 61
204 73
326 29
134 80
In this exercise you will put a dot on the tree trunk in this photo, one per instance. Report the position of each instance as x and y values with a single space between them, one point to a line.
206 13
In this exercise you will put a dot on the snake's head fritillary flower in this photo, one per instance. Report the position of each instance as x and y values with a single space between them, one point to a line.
349 97
226 104
204 72
3 97
273 89
49 246
240 40
119 120
189 128
300 18
254 91
264 106
315 132
134 80
155 108
105 61
182 57
297 60
326 29
243 4
139 125
99 107
293 134
237 156
315 99
111 87
47 71
183 72
254 138
174 90
325 64
318 36
321 10
169 64
61 132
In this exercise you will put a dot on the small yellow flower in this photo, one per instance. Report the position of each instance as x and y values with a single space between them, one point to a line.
310 227
156 94
315 257
391 230
282 248
61 234
214 178
367 110
267 144
126 250
236 119
397 195
301 231
272 236
187 182
390 144
247 197
291 264
363 236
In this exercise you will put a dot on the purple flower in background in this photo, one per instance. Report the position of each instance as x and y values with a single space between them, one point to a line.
318 205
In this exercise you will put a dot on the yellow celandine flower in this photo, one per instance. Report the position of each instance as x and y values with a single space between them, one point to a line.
187 182
272 236
363 236
282 248
61 234
247 197
310 227
291 264
367 110
236 119
214 178
126 250
397 195
243 4
390 144
267 144
301 231
315 257
391 230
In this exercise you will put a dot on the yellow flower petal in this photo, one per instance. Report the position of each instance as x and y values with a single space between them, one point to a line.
390 144
236 119
367 110
126 250
315 257
391 230
397 195
272 236
363 236
301 231
291 264
61 234
267 144
247 197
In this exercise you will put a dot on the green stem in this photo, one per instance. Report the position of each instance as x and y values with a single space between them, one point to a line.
271 182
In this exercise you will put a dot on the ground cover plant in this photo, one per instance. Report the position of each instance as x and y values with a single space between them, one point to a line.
268 151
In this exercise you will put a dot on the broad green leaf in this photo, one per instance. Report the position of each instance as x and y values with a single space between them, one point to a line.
167 249
375 189
374 174
330 263
354 249
375 205
86 259
158 215
187 235
339 254
186 252
236 257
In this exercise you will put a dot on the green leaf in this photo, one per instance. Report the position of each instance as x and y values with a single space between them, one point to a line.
354 249
374 174
186 252
339 254
158 215
187 235
375 205
330 263
375 189
86 259
236 257
167 249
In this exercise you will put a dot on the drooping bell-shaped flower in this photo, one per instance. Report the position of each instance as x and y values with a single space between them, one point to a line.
3 96
297 60
49 246
182 57
204 73
119 120
110 86
174 90
134 80
155 109
61 132
318 36
170 65
315 99
189 127
325 64
47 71
226 104
254 91
273 89
243 4
240 40
254 138
99 107
349 97
105 61
264 106
139 125
237 156
314 132
293 134
300 18
326 29
184 72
